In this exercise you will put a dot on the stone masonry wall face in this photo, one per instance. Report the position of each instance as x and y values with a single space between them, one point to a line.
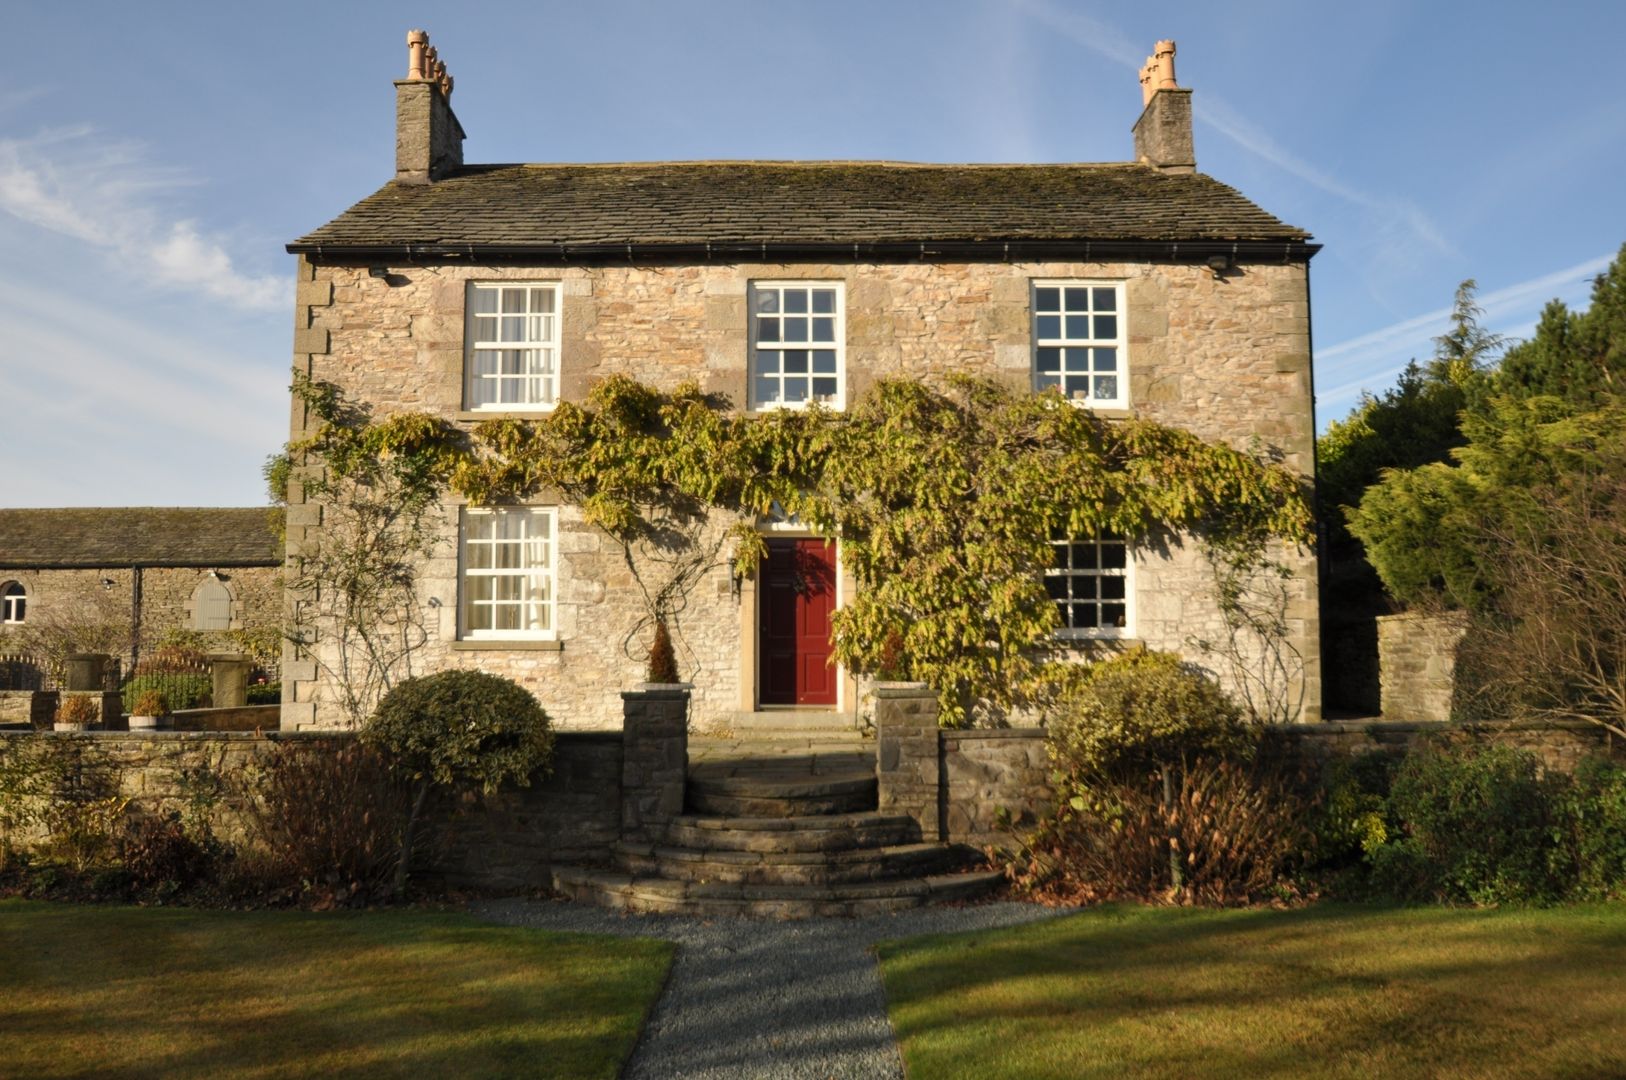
166 599
1227 359
1417 663
504 841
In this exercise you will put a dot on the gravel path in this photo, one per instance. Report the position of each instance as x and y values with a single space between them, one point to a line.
762 999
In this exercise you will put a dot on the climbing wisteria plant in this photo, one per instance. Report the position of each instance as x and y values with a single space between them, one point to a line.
946 500
380 485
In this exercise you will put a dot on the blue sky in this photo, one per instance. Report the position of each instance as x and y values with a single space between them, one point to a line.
155 158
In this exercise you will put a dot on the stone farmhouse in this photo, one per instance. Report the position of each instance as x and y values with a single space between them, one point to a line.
141 572
1139 288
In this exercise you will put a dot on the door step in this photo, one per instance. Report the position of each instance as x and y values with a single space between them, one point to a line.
810 722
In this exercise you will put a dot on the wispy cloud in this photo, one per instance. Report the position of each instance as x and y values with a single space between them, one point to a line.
1396 218
1374 358
16 99
109 407
109 195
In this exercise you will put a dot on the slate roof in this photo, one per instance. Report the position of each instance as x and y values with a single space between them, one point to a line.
605 209
110 537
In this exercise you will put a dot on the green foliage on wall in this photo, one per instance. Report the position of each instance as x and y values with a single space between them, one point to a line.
945 501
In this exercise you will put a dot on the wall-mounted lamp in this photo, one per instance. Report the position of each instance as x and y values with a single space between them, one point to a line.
214 575
108 583
378 271
1219 264
434 601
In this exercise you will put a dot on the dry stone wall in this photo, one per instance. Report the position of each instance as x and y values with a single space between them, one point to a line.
996 785
1225 357
1417 663
508 840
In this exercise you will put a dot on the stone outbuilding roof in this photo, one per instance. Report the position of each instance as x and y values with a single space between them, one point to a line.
107 537
732 209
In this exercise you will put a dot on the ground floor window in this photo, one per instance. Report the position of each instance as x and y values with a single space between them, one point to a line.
1090 583
507 585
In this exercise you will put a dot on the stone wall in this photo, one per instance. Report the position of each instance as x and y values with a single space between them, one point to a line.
504 841
908 756
1227 359
1561 745
995 783
511 840
1417 660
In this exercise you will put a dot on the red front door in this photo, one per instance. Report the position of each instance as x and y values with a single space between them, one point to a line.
798 596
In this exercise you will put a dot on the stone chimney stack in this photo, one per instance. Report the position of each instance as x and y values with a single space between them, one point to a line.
1163 132
428 138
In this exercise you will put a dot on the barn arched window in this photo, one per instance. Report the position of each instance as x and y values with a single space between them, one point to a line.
13 602
211 605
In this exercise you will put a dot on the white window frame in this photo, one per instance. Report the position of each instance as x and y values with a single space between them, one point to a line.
540 336
10 601
544 571
1071 574
1077 355
760 320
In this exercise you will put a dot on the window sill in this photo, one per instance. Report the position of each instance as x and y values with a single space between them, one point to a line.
1091 644
476 415
759 411
508 645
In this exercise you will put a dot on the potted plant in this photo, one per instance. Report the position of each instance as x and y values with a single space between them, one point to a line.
149 708
77 712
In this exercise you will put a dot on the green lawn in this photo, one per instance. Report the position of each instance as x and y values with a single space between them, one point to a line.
1327 991
113 991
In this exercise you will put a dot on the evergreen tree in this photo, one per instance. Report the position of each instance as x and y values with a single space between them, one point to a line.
1578 357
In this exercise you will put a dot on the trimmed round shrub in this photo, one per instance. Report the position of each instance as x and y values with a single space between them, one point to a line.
1140 711
462 730
150 703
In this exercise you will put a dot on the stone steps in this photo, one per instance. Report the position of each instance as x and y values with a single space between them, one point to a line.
826 832
781 795
783 829
628 892
786 868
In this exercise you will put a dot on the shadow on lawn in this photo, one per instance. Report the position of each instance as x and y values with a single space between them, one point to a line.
1326 990
155 993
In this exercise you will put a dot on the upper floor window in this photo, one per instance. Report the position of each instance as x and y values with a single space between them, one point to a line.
1091 584
13 602
507 588
1078 341
512 356
798 345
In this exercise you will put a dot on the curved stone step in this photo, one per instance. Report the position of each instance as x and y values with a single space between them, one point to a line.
787 868
827 832
766 794
629 892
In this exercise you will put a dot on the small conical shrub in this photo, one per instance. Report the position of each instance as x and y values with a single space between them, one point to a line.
662 660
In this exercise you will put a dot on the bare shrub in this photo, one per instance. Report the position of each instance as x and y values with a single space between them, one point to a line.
1242 831
159 853
323 818
1552 645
